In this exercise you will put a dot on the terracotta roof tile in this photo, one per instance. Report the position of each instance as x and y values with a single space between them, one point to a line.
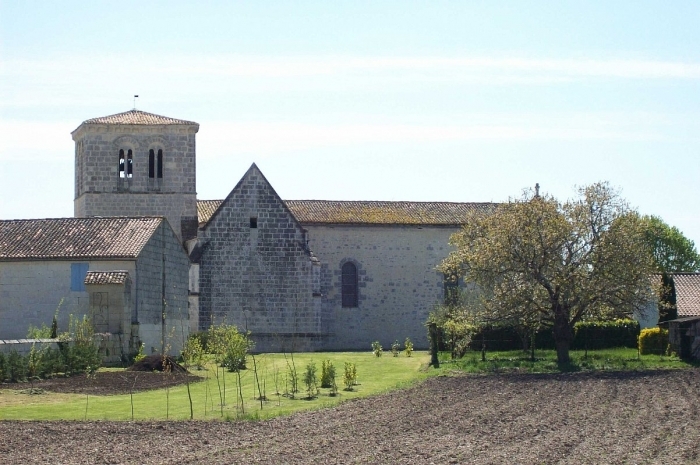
137 117
687 293
75 238
368 212
106 277
206 208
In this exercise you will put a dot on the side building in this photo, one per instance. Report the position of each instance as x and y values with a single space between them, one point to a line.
129 275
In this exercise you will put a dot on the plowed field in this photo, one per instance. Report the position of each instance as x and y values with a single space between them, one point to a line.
583 418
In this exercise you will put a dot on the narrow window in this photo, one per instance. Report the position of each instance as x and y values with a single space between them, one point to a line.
78 271
160 163
253 222
349 285
151 164
451 289
129 164
121 163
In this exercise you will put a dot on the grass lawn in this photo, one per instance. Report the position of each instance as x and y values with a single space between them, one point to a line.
546 361
374 375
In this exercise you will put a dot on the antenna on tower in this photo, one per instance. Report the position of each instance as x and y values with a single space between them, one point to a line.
135 97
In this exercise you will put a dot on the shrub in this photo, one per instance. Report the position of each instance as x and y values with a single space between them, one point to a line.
609 334
349 376
653 341
377 349
229 346
310 380
395 348
408 347
39 333
140 355
193 353
16 366
2 367
327 374
78 346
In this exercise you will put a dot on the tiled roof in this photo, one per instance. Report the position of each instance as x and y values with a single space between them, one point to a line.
206 208
687 293
368 212
377 212
136 117
75 238
106 277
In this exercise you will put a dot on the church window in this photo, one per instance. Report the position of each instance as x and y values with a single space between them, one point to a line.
78 271
253 222
122 164
349 285
450 284
155 164
129 164
160 163
151 164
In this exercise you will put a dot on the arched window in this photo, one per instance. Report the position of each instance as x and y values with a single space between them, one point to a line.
160 163
349 285
151 164
129 164
122 164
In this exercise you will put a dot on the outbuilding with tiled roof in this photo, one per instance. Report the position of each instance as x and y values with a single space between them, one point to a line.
119 271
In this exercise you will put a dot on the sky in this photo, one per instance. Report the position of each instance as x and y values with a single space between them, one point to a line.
465 101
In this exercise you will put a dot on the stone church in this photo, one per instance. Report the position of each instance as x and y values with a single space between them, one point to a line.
298 274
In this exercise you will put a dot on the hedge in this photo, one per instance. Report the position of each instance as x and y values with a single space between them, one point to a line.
653 341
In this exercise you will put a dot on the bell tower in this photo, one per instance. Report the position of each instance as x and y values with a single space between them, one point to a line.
137 164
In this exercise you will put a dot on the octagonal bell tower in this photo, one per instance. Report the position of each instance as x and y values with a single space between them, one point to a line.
137 164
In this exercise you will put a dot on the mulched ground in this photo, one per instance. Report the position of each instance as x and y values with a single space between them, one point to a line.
609 418
106 382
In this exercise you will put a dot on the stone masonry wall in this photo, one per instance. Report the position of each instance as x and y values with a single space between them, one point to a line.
259 278
31 291
163 256
100 191
398 283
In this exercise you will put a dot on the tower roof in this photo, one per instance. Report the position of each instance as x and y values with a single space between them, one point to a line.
137 117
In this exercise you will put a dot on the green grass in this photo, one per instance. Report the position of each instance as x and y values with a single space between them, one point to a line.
375 375
546 361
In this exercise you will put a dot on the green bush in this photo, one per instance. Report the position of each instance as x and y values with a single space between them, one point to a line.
595 335
203 338
327 374
229 346
310 380
78 347
16 367
377 349
653 341
408 347
193 353
350 376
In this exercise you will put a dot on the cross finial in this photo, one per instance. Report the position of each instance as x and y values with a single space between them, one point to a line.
537 189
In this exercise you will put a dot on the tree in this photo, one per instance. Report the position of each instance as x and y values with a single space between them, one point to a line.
536 259
672 253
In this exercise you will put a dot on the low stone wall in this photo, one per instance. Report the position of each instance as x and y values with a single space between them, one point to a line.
23 346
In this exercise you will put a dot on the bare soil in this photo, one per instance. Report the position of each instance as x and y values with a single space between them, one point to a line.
106 382
581 418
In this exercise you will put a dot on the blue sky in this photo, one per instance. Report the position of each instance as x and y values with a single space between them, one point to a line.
452 101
